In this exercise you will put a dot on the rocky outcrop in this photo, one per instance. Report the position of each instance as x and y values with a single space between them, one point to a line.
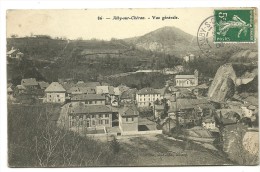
228 78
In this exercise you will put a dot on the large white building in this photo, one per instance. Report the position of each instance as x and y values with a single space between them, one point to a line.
147 96
55 93
187 80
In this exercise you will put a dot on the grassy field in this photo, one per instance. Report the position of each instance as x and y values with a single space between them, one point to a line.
160 151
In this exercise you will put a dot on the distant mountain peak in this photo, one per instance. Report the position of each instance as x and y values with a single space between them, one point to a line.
168 39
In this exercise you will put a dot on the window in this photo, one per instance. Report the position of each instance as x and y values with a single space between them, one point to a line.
144 99
140 100
107 115
126 119
58 95
92 116
50 95
95 102
90 102
93 122
58 100
99 121
100 115
107 121
132 118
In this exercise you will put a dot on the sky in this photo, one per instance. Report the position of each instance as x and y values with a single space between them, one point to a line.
74 24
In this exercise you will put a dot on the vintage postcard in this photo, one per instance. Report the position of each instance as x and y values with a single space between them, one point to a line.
132 87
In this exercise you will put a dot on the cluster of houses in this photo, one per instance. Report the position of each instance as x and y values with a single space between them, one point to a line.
28 86
93 105
14 54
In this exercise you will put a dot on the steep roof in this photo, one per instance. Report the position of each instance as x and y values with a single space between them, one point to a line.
81 85
90 109
189 104
9 85
91 84
161 91
252 100
123 88
43 85
55 87
172 88
21 87
81 90
208 120
128 93
9 90
11 51
88 97
129 111
148 91
29 82
185 77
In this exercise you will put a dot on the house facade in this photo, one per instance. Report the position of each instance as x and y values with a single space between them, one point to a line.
187 80
147 96
90 117
248 111
209 123
128 119
55 93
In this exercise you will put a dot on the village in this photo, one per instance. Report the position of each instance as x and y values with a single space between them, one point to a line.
182 109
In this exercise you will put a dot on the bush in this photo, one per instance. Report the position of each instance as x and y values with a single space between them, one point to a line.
115 146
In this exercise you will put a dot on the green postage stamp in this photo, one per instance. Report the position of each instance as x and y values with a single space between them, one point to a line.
236 25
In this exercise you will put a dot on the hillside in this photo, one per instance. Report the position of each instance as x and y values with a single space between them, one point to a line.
173 41
170 40
49 59
53 58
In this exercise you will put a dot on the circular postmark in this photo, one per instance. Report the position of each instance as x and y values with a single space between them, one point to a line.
205 38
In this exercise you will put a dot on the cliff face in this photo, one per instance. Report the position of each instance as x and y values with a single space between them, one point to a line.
228 78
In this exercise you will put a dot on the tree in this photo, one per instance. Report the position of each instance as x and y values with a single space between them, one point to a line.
14 36
115 146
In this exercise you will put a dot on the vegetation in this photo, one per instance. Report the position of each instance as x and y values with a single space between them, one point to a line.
237 152
34 141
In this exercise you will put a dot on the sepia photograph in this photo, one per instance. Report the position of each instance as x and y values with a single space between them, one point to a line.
132 87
